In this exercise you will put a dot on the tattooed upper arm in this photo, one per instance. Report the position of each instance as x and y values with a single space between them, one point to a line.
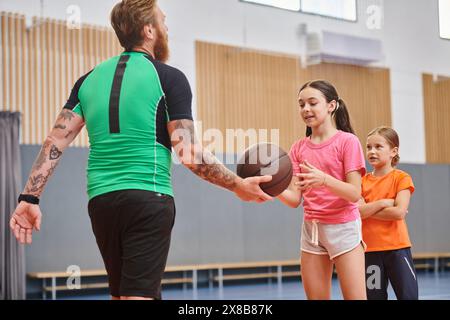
181 131
67 126
182 137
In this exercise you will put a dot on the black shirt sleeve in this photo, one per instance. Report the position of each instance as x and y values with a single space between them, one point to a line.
177 91
73 98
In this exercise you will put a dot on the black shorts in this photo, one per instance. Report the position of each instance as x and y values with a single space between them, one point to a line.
133 229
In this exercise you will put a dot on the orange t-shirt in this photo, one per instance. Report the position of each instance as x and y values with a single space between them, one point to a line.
385 235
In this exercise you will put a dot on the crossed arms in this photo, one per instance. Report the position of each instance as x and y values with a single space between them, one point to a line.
386 209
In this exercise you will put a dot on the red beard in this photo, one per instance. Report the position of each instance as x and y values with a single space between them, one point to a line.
161 48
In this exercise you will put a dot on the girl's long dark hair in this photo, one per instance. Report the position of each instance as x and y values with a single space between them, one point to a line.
340 113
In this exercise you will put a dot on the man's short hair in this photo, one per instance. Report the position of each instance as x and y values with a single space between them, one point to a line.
128 17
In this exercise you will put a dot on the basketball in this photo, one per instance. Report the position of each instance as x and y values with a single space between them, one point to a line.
267 159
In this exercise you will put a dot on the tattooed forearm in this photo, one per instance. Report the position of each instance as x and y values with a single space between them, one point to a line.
66 128
43 168
40 160
34 183
37 183
210 169
68 134
200 161
54 153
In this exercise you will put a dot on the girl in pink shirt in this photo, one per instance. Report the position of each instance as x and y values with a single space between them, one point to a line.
328 166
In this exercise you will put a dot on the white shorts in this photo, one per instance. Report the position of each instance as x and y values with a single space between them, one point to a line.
331 239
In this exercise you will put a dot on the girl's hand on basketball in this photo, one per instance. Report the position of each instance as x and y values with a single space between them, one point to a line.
26 217
311 177
249 190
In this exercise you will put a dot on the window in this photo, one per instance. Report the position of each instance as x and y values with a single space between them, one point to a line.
283 4
444 19
341 9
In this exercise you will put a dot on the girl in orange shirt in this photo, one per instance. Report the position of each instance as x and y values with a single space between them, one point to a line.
386 193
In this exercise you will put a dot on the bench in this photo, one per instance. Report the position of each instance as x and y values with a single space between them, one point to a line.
435 257
53 276
252 270
421 261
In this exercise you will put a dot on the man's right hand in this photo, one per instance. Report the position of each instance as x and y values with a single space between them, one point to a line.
249 190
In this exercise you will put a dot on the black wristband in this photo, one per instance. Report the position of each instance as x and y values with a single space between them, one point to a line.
28 198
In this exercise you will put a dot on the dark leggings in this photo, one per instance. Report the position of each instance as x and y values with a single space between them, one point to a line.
394 266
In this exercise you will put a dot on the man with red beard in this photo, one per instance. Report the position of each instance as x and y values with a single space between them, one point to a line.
135 108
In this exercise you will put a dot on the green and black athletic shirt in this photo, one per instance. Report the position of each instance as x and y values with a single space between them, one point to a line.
126 103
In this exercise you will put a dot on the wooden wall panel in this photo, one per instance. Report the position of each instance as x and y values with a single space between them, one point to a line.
245 89
40 64
366 92
436 92
236 88
239 88
3 51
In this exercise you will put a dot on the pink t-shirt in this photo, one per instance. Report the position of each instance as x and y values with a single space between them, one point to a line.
337 156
